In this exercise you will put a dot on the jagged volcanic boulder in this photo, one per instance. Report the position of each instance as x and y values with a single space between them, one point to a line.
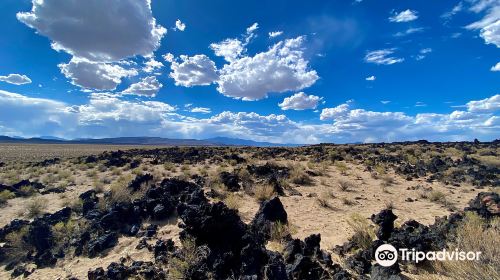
270 212
486 204
101 243
139 181
231 181
385 220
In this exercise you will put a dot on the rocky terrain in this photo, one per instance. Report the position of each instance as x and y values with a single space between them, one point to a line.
314 212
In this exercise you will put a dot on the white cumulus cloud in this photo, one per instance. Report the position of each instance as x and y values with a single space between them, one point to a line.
489 25
275 34
196 70
152 65
371 78
404 16
486 105
95 75
496 67
300 101
16 79
148 86
229 49
282 68
179 25
96 30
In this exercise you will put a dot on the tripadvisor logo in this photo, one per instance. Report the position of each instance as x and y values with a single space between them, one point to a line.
386 255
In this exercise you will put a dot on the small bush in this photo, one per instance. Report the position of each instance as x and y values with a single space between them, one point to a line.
36 207
364 232
474 234
264 192
17 246
345 185
347 201
342 168
436 196
169 166
323 201
387 181
179 265
232 201
299 176
4 196
120 191
279 231
389 205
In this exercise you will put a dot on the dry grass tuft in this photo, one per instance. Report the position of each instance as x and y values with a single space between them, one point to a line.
36 207
475 235
233 201
178 266
345 185
4 196
264 192
364 232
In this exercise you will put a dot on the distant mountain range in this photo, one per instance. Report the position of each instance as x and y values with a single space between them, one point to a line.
217 141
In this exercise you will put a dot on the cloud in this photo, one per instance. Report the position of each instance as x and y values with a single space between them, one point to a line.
179 25
382 57
456 9
106 109
229 49
282 68
300 101
496 67
275 34
233 48
16 79
385 102
371 78
489 25
107 115
487 105
252 28
95 75
336 112
409 31
480 120
148 86
253 123
202 110
168 57
152 65
404 16
423 53
196 70
96 30
28 116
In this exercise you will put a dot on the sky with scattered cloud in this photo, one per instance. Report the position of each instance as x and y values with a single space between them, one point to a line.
318 71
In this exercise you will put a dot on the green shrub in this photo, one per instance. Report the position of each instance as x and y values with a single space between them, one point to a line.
6 195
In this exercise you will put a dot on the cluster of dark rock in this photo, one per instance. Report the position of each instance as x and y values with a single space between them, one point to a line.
226 247
412 235
38 238
464 168
25 188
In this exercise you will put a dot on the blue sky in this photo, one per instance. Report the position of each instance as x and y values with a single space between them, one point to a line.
280 71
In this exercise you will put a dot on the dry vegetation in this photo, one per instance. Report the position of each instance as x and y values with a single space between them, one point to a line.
331 190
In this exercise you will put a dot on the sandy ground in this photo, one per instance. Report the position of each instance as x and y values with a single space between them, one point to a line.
305 213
